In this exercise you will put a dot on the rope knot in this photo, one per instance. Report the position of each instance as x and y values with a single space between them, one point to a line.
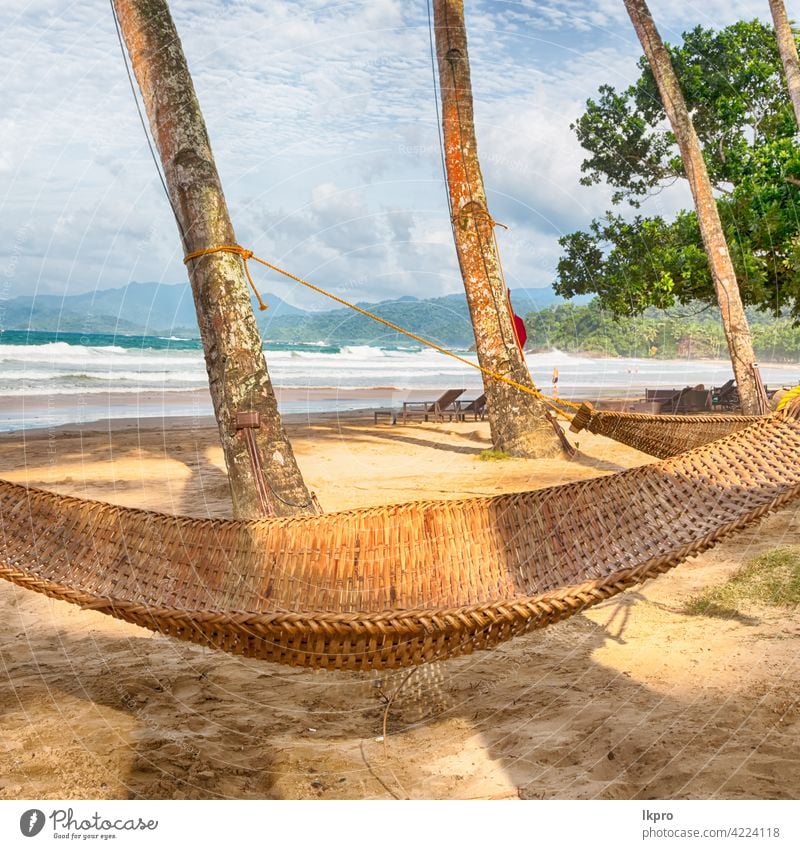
231 249
475 210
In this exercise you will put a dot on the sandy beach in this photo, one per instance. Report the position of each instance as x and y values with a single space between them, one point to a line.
632 700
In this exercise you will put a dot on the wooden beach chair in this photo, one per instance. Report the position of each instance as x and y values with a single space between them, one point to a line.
443 406
660 396
475 408
725 397
692 399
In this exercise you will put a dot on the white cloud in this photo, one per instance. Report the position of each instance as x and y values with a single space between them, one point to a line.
322 120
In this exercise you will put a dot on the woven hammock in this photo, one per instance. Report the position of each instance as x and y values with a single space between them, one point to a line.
399 585
658 435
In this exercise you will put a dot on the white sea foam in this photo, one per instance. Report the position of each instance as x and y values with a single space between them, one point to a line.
61 368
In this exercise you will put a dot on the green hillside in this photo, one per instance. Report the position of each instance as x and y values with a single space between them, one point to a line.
690 331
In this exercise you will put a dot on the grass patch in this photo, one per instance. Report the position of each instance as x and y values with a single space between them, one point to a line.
490 454
773 579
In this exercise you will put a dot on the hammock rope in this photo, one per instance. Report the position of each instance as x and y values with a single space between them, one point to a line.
555 404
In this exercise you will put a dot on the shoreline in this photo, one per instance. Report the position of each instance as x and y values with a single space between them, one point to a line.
29 413
324 346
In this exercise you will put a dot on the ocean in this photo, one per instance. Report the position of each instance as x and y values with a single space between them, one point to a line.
117 376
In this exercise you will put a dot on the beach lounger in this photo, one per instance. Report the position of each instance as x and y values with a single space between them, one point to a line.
443 406
692 399
475 408
660 396
725 397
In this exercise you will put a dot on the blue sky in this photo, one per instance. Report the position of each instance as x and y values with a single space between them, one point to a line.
322 120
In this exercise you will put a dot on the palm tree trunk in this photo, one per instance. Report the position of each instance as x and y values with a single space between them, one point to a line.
519 422
263 474
787 47
734 321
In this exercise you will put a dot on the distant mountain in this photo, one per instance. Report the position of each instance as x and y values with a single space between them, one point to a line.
147 308
161 310
533 300
443 320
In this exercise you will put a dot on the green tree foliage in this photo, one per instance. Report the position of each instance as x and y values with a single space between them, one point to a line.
733 86
635 264
692 331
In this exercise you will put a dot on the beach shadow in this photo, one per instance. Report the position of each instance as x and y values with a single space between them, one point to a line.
114 470
538 717
621 607
204 725
367 433
547 720
205 492
449 447
589 462
150 711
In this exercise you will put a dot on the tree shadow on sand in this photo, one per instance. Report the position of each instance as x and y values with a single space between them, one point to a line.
103 708
410 434
539 717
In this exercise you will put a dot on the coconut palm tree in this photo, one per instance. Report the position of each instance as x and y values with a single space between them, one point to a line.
520 423
263 474
737 330
787 47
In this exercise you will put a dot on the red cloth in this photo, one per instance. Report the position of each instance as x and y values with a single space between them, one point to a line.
519 326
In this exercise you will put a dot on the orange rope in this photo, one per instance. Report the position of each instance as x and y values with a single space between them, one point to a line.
231 249
474 208
246 255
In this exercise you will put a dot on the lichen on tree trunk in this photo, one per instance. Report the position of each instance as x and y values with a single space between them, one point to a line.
519 422
734 321
237 372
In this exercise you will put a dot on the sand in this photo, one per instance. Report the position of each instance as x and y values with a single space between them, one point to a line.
632 700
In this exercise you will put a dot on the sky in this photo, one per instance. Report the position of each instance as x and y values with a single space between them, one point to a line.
323 124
